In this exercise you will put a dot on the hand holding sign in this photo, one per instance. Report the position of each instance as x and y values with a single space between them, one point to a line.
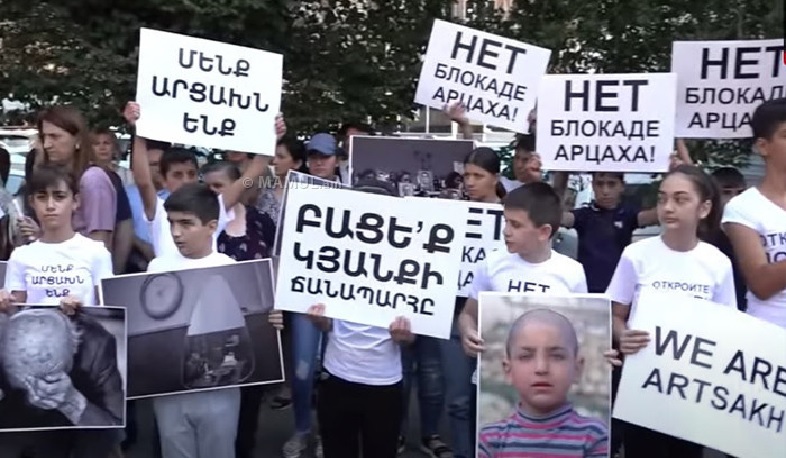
457 113
276 318
70 304
5 301
401 330
316 313
632 341
132 113
281 127
472 343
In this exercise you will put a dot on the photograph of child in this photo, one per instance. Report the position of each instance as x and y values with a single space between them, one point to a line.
543 369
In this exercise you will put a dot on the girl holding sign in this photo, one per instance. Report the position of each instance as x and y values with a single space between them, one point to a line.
688 204
481 181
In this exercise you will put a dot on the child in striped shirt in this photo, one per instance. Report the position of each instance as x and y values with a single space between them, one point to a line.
542 362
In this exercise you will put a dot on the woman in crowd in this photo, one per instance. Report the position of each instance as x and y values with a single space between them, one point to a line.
306 338
66 141
106 150
106 154
482 184
290 155
250 234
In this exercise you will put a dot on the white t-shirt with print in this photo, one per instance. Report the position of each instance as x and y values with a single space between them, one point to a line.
160 232
506 272
751 209
48 272
509 273
363 354
228 396
176 261
703 272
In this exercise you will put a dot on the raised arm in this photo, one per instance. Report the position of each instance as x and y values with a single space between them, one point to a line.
232 194
140 166
458 114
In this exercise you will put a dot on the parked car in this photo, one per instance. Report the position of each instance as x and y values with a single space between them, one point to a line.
18 140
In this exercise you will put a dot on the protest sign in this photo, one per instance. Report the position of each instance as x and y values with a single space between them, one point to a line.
416 167
484 225
371 258
720 83
707 369
503 320
496 78
302 181
206 93
607 122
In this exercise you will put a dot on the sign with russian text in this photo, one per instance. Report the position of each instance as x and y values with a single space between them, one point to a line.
607 122
722 82
206 93
707 368
496 78
371 258
484 225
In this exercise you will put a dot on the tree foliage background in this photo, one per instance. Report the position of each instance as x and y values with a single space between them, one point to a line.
348 60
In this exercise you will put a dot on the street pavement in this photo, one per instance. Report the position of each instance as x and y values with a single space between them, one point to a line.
275 428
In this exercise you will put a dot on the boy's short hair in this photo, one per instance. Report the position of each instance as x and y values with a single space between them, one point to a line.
525 143
46 176
546 316
729 177
158 145
173 156
618 175
224 166
768 117
197 199
539 200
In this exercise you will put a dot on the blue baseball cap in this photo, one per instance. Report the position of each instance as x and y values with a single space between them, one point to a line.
324 144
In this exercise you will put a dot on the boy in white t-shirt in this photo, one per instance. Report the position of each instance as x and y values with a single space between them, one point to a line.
178 167
202 424
533 213
755 221
63 267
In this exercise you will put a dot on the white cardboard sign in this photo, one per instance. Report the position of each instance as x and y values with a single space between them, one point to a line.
607 122
495 77
371 258
206 93
722 82
711 375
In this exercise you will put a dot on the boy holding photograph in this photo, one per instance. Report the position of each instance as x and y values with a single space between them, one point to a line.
202 424
542 362
533 213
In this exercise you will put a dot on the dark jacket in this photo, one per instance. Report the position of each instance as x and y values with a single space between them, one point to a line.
94 374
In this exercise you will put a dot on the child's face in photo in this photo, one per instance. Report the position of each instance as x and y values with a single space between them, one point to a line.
522 236
542 366
191 235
